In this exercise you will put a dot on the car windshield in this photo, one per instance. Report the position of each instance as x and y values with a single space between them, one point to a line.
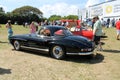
64 32
67 32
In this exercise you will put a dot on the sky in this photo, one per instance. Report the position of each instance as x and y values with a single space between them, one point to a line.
50 7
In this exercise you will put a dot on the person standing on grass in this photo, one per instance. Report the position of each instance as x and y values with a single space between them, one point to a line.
32 28
9 28
108 22
118 29
97 32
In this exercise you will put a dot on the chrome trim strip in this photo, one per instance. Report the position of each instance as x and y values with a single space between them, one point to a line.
35 48
87 53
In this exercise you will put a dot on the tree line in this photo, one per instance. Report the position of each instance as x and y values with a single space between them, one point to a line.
28 14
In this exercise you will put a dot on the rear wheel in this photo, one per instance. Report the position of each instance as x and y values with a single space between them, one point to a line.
57 52
17 45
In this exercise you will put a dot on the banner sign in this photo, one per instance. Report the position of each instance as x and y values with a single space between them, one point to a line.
106 9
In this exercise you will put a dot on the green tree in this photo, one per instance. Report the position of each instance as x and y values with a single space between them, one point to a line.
75 17
55 17
58 17
2 10
27 14
26 10
3 17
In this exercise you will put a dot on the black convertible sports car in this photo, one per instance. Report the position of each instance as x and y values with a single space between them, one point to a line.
56 40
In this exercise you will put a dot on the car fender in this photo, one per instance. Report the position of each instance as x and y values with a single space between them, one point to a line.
19 39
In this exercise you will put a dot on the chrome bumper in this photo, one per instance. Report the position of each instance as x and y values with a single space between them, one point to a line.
86 53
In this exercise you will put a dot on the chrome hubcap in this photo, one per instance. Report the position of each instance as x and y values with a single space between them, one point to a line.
17 45
57 51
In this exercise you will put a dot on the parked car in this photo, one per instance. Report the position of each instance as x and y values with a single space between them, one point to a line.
83 32
76 27
58 41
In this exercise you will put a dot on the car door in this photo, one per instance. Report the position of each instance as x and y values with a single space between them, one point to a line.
35 41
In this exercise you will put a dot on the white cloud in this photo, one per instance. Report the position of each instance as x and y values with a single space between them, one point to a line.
92 2
62 9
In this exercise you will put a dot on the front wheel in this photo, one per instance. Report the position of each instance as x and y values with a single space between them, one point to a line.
17 45
57 52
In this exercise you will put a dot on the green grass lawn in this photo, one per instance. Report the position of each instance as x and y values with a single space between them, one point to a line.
111 42
17 29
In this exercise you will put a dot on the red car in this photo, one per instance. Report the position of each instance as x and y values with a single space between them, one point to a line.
76 29
83 32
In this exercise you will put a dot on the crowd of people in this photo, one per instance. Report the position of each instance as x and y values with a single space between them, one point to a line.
97 24
105 22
